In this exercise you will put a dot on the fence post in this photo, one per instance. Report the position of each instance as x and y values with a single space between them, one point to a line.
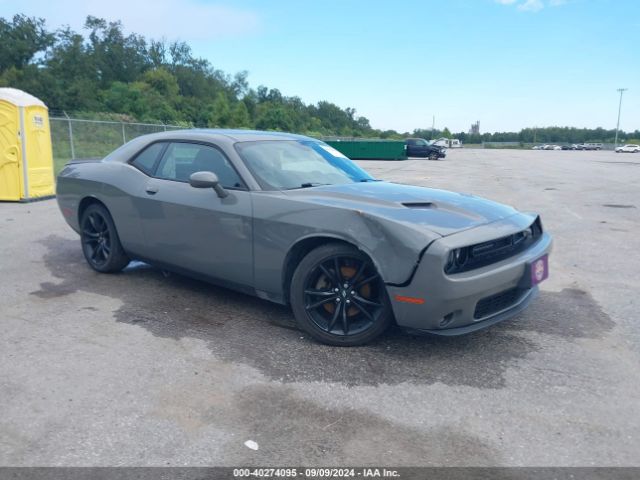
124 137
73 153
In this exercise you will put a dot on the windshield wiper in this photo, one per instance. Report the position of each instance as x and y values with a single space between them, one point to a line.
370 180
309 185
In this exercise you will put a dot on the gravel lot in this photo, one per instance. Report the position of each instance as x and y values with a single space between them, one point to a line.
143 369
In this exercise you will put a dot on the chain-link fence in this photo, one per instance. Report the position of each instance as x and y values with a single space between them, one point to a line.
527 145
77 138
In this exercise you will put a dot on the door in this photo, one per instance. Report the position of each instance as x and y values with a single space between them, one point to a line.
192 228
411 148
10 153
421 148
38 152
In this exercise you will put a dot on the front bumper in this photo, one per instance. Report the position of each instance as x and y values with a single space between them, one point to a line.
435 302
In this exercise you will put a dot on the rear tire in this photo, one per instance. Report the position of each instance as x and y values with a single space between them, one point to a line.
100 242
338 297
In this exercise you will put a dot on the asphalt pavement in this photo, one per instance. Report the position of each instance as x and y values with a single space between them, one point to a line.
141 368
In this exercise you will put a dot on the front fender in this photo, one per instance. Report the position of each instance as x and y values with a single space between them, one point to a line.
281 223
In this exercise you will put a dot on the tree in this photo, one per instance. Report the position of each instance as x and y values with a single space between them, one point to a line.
240 116
157 53
240 84
273 117
220 112
21 39
162 82
116 57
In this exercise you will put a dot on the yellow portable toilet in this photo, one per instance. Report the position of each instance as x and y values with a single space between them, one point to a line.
26 158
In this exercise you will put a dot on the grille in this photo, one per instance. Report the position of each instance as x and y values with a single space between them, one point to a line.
495 303
486 253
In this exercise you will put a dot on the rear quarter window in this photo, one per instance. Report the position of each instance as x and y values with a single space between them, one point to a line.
146 159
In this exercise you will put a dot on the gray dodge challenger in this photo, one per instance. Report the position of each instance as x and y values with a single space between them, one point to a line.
290 219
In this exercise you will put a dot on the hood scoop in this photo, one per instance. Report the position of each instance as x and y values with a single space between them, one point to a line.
422 205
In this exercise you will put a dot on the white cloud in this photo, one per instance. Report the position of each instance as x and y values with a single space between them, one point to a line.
189 20
532 5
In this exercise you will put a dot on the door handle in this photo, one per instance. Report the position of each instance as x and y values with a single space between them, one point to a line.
151 189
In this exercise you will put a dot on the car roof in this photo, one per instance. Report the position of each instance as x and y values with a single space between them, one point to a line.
233 135
217 135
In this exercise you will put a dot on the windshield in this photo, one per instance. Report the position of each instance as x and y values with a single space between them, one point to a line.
289 164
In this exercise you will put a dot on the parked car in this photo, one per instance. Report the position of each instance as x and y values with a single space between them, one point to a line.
547 147
577 146
419 147
446 142
291 220
592 146
566 147
556 147
628 149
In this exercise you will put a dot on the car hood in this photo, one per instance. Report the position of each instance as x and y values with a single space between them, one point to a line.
438 211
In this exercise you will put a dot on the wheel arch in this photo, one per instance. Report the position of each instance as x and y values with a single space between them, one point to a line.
305 245
85 202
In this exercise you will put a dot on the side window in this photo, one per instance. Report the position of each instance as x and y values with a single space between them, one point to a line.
146 159
180 160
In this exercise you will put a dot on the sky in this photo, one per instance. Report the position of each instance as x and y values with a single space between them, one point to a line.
508 63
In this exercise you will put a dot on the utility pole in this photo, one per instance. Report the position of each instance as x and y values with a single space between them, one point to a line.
621 90
433 126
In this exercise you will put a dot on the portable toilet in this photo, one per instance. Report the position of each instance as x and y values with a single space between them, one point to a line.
26 158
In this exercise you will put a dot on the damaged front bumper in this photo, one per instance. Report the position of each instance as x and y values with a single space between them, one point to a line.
455 304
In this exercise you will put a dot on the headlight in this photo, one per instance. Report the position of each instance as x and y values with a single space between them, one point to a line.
456 259
460 256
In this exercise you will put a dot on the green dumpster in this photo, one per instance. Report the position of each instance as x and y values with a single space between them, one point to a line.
370 149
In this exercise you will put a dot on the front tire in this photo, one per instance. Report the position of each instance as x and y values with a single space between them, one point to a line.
338 297
100 242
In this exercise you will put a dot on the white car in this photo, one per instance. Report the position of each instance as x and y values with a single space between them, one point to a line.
628 149
557 147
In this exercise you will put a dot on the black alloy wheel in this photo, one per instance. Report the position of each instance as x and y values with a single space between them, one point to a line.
338 296
100 242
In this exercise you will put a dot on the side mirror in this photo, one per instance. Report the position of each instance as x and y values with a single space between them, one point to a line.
207 180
